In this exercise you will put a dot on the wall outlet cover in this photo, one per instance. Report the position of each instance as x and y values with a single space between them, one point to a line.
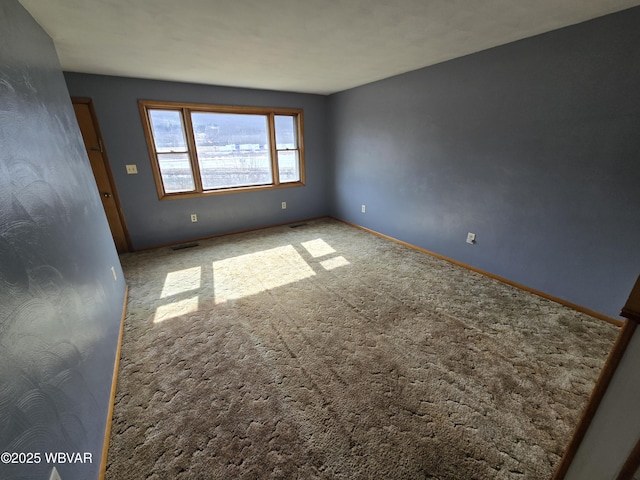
471 238
132 169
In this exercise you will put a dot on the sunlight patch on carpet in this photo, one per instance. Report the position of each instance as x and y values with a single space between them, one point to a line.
181 281
245 275
334 263
318 248
176 309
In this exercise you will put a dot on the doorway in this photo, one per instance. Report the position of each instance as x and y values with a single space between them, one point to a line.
88 123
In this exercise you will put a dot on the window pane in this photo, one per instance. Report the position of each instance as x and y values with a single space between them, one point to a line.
168 132
175 169
285 132
288 166
233 149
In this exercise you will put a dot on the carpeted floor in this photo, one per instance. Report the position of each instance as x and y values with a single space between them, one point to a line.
326 352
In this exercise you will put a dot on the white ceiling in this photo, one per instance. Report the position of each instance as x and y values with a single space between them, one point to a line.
314 46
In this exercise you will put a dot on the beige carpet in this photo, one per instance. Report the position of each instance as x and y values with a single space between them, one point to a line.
323 351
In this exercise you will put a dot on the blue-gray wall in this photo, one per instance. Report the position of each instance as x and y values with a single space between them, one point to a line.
534 146
60 307
152 221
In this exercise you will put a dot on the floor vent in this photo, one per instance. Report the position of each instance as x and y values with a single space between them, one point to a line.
185 245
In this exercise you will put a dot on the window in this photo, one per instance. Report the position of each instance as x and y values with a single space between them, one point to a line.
209 149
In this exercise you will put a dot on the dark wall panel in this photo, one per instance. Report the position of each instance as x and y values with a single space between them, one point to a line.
60 306
152 221
534 146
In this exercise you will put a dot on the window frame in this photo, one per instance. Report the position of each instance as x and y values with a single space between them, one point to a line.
185 110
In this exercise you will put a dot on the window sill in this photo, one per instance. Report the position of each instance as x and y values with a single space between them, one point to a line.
227 191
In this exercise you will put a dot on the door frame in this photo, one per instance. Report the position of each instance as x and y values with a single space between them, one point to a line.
107 164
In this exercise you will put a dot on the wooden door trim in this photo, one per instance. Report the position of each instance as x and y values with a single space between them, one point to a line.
89 102
631 311
597 394
632 465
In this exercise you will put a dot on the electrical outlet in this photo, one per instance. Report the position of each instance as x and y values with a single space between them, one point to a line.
284 205
113 272
132 169
54 474
194 217
364 209
471 238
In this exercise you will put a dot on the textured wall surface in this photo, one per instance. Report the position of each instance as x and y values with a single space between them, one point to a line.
153 222
533 146
60 306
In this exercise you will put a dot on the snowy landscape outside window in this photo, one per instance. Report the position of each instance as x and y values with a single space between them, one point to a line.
208 149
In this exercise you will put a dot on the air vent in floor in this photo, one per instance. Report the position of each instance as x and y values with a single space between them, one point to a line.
184 245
